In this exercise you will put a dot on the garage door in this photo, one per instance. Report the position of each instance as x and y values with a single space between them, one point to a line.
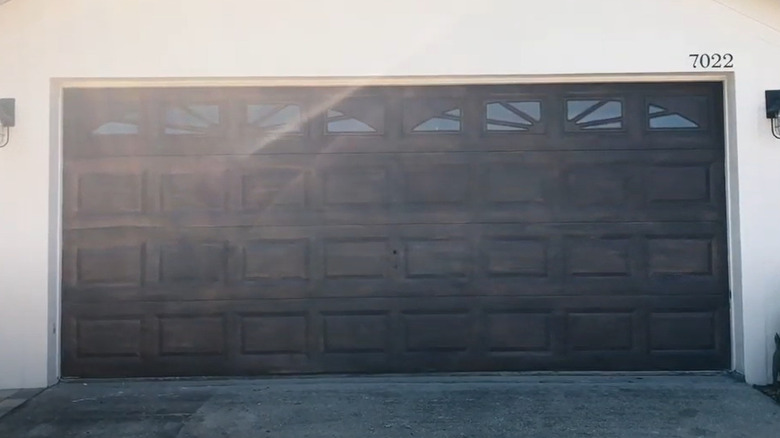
240 231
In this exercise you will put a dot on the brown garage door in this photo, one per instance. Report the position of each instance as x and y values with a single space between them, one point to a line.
239 231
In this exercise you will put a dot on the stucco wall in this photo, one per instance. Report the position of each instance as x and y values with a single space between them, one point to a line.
44 41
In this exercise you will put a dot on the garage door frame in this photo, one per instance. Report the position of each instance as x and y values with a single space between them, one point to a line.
57 164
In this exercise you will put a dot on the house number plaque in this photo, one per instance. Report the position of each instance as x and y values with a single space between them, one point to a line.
712 60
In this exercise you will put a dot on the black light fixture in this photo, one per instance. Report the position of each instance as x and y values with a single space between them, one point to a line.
7 120
773 111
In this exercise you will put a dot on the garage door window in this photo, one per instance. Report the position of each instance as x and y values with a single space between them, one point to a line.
512 116
117 118
356 116
662 118
191 119
594 114
274 117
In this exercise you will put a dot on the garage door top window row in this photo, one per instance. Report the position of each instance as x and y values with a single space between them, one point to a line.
373 116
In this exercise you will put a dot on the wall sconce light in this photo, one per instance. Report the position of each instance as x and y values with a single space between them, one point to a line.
773 111
7 120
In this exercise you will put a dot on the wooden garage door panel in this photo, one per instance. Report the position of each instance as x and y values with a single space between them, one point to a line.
408 334
529 187
671 258
251 231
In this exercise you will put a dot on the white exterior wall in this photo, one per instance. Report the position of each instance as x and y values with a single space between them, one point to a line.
43 42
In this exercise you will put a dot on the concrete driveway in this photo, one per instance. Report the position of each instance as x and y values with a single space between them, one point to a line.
421 406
